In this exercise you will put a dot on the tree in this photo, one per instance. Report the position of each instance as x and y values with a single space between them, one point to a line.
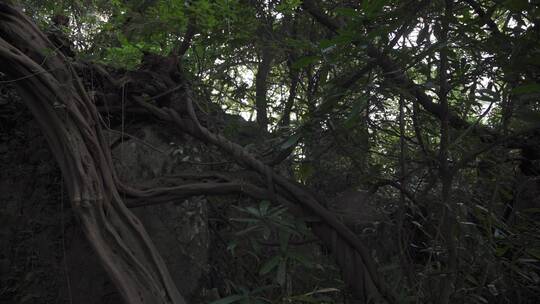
436 99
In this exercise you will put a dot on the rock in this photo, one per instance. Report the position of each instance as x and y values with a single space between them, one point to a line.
178 228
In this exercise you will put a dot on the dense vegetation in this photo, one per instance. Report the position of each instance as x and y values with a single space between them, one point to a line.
416 123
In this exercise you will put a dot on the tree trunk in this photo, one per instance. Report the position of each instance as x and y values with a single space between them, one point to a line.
50 88
261 88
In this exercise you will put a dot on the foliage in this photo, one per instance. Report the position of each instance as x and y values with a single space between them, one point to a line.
355 125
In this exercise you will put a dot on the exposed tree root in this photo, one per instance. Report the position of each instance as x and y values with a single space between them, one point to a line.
69 119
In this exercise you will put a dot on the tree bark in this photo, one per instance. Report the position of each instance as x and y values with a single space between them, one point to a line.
447 208
51 89
261 87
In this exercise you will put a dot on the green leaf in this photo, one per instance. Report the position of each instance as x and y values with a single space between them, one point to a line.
253 211
270 264
500 251
354 115
260 300
344 38
288 6
533 59
291 141
231 246
263 207
380 31
305 171
347 12
229 299
534 252
527 89
290 230
284 240
302 259
305 61
266 232
326 44
304 298
261 289
528 116
276 211
247 230
531 210
372 7
281 274
472 279
245 220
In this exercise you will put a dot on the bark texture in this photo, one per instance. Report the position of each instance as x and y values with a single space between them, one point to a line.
50 88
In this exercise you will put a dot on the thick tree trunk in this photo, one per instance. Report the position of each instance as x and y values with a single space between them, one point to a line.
57 100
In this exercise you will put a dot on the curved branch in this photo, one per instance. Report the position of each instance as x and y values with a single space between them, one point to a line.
70 123
363 275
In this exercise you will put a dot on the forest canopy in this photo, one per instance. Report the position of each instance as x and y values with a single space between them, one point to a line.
348 151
